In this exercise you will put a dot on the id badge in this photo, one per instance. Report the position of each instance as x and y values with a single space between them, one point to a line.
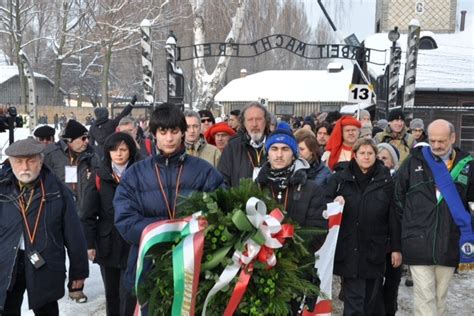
36 260
256 171
70 174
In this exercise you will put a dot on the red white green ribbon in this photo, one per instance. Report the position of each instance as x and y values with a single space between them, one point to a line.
186 258
270 235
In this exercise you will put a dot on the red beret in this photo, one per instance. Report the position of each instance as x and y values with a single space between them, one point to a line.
221 127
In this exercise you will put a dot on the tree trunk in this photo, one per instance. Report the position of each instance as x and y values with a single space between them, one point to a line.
105 76
208 84
57 82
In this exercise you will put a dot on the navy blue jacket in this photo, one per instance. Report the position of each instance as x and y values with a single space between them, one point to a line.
139 200
58 227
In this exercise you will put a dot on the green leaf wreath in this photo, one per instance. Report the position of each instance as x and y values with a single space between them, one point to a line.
271 291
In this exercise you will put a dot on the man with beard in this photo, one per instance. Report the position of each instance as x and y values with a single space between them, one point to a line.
38 221
245 153
433 189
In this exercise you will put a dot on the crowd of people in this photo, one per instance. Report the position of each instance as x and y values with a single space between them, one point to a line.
93 192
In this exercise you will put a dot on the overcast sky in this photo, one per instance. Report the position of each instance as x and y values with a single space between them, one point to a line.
361 15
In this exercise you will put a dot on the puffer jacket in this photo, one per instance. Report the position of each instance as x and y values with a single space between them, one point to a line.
369 222
58 227
139 200
429 234
239 159
57 158
305 203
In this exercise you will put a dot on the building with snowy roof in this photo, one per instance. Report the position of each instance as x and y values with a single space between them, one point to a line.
10 85
290 92
444 86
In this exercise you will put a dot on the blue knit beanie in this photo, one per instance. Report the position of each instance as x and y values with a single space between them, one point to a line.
282 135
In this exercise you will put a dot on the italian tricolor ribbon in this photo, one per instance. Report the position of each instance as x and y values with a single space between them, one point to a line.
186 258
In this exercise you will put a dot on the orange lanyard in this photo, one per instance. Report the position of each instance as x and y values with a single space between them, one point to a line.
171 213
116 177
24 210
259 156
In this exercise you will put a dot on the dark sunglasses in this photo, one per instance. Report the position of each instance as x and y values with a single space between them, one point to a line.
204 120
44 139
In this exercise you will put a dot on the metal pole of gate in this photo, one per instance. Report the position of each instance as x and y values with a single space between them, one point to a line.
32 111
147 62
411 62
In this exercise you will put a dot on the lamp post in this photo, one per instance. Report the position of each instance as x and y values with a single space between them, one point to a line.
394 68
175 73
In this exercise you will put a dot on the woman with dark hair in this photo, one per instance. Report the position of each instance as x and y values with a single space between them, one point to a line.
105 245
369 224
309 151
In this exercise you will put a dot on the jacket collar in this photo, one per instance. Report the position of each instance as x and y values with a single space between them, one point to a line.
174 159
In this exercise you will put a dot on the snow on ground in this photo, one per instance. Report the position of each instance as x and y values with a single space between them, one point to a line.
460 297
94 289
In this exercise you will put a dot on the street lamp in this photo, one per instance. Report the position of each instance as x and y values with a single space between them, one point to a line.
394 67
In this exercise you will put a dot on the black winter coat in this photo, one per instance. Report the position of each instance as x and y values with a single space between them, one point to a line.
58 227
305 203
239 159
369 222
57 158
98 220
104 127
429 234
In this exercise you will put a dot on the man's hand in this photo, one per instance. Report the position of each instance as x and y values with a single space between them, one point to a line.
396 259
134 100
77 284
91 254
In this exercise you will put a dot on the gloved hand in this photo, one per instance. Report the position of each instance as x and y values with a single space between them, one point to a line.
134 100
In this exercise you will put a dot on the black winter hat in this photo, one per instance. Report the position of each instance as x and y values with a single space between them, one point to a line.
101 113
207 113
396 114
74 130
44 131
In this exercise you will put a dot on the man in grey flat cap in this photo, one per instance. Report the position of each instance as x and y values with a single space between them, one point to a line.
38 219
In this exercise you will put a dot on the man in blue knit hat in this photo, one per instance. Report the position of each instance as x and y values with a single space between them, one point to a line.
285 176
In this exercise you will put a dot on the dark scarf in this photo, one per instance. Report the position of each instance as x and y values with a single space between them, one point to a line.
363 179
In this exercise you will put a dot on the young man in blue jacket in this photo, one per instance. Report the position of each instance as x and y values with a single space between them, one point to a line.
149 190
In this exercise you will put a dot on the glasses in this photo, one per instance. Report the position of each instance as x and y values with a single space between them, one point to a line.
84 138
206 120
45 139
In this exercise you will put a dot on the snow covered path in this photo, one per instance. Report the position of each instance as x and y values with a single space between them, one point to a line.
94 289
460 297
